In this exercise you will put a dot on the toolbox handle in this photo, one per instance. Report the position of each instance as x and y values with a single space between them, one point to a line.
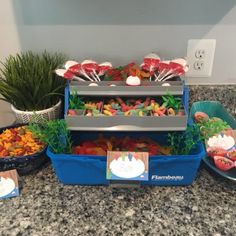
124 127
132 128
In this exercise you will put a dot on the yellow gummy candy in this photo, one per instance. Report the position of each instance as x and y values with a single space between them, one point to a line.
106 112
107 107
156 106
140 113
127 113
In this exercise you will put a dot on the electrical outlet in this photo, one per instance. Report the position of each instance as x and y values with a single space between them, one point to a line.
200 53
200 57
198 65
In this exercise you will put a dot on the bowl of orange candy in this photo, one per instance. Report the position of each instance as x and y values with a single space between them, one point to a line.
20 150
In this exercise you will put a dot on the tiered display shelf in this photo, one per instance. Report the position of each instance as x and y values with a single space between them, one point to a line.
80 122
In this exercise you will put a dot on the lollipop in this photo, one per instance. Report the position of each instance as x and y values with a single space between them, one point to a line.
170 69
90 67
150 63
103 67
76 68
68 75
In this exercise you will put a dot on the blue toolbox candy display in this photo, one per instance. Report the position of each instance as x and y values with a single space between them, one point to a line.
92 169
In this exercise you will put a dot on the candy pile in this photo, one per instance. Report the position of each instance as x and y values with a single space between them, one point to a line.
123 72
134 107
138 107
93 108
15 142
130 107
103 144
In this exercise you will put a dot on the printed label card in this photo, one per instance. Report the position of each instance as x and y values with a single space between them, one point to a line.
127 165
225 140
9 186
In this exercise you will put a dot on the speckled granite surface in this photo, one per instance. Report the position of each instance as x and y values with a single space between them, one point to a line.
46 207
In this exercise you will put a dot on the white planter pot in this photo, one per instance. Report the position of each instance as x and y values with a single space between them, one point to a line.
48 114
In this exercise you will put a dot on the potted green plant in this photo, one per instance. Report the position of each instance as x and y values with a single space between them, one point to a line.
29 84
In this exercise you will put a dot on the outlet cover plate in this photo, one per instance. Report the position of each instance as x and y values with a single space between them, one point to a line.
200 50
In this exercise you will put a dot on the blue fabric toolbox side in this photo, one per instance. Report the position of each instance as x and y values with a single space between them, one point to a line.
91 170
175 170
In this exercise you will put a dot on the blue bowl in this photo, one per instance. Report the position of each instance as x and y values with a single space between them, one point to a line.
23 164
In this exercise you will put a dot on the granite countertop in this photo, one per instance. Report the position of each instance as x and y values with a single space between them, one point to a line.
47 207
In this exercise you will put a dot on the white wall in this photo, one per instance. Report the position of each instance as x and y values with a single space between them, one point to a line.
121 30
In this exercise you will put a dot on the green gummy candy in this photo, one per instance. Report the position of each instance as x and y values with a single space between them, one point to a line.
149 108
115 106
140 106
96 112
133 112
